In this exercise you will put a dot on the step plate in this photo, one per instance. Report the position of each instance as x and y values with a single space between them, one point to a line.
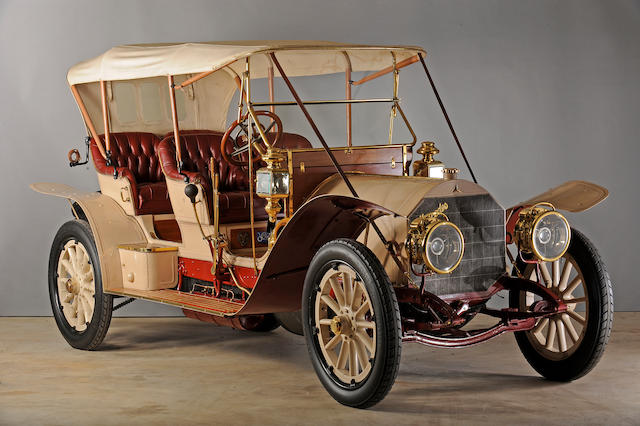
193 302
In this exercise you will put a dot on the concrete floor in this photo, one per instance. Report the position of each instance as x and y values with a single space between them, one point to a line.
180 371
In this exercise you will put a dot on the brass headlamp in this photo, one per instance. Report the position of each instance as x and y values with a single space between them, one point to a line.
435 242
542 231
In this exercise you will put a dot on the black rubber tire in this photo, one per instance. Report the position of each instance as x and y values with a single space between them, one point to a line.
291 321
387 318
95 332
599 322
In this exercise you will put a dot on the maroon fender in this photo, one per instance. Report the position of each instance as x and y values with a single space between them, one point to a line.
320 220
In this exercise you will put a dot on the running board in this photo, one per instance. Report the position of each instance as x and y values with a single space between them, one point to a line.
194 302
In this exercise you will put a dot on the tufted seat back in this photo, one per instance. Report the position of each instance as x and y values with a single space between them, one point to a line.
134 155
198 147
134 151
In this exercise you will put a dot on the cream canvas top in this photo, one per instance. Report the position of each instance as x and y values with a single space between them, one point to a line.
136 76
298 58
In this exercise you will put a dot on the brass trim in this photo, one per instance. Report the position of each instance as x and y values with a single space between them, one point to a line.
424 245
289 211
144 248
421 228
250 151
326 102
348 148
535 223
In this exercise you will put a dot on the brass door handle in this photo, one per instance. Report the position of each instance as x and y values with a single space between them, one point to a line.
124 194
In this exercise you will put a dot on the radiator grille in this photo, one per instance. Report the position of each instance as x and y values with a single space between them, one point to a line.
481 220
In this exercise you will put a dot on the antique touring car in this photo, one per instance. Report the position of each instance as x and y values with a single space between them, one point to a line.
358 246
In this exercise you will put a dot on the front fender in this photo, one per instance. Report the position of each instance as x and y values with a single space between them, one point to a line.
110 225
318 221
574 196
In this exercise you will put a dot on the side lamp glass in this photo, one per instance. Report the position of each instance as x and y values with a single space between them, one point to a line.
272 182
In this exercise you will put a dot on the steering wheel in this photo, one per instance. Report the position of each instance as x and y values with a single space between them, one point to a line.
236 155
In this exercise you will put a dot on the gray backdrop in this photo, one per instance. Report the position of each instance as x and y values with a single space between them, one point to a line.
540 92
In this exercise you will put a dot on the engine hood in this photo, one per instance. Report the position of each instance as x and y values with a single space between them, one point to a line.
400 194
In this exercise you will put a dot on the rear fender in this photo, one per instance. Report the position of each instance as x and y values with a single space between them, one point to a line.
110 225
320 220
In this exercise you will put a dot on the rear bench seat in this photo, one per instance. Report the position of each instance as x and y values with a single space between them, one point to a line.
135 157
198 147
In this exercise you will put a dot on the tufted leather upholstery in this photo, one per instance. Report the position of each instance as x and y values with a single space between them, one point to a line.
135 156
198 147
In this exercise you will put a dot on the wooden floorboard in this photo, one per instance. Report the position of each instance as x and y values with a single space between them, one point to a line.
194 302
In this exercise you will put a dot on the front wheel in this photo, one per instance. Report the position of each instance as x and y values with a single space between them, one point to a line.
351 323
80 307
568 345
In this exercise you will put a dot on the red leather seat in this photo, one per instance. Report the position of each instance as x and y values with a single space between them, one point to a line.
134 155
198 147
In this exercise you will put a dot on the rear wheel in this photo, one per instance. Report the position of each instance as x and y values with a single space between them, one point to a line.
351 323
81 309
568 345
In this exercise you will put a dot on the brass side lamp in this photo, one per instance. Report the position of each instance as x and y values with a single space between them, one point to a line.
428 166
272 182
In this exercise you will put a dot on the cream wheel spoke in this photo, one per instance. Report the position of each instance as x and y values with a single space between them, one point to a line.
572 286
545 274
362 354
332 343
343 357
337 290
363 309
562 337
331 303
575 300
576 316
353 366
325 321
573 334
566 272
540 326
357 295
67 266
365 339
551 335
555 271
347 284
365 324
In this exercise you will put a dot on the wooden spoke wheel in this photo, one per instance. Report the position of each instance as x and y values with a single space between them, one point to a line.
567 345
81 310
76 285
351 323
344 320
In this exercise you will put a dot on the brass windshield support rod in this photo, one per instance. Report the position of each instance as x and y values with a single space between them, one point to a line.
446 116
394 112
347 88
325 102
389 246
246 78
